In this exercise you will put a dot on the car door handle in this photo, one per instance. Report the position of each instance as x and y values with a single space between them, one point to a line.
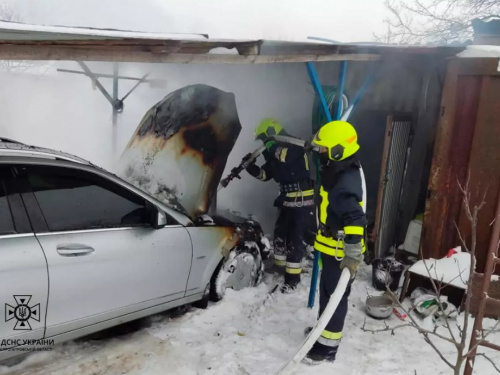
74 250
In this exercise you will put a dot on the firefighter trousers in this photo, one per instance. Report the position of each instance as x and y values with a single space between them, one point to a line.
294 230
330 276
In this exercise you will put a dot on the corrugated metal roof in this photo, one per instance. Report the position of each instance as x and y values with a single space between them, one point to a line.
34 42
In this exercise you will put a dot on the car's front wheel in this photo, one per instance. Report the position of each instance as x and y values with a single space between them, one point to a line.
241 269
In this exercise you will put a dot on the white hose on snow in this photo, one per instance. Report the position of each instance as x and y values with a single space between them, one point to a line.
320 324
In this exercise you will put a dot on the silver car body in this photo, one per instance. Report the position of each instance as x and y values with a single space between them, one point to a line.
82 281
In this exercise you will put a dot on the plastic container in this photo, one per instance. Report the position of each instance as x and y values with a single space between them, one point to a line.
413 234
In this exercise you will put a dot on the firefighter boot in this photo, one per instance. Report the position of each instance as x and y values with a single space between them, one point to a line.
320 353
291 283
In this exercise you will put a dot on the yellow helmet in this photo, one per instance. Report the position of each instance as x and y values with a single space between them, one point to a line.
267 128
339 138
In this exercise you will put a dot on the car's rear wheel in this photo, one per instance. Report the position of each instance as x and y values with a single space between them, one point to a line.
241 269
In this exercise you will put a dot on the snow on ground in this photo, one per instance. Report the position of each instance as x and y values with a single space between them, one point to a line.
248 332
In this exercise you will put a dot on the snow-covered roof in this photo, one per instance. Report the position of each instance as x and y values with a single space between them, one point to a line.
480 51
20 41
16 31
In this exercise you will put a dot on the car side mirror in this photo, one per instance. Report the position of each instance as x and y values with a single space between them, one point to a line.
159 220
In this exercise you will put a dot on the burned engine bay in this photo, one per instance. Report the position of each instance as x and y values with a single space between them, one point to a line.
178 154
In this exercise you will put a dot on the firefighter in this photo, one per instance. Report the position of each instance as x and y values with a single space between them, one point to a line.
296 224
340 237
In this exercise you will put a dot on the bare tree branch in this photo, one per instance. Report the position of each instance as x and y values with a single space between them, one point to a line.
428 341
464 244
387 328
440 304
460 343
489 360
9 13
435 21
414 323
484 336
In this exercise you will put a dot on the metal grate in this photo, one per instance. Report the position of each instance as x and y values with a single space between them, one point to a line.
400 132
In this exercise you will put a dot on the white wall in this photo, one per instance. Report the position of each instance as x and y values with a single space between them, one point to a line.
61 111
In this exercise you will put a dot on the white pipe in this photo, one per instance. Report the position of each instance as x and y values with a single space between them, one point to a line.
293 141
320 325
255 155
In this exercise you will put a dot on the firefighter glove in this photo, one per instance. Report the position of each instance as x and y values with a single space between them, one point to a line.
253 170
247 159
353 256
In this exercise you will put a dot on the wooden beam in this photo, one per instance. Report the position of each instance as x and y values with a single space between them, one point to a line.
148 55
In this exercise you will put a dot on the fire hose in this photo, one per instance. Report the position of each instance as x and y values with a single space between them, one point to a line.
235 172
321 324
336 296
250 158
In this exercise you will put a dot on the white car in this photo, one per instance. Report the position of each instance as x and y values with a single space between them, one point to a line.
82 250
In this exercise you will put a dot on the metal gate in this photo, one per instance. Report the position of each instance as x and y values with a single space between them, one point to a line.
393 172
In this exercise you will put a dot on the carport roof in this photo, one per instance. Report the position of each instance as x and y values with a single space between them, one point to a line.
34 42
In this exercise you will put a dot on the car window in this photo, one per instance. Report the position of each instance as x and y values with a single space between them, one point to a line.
6 221
71 199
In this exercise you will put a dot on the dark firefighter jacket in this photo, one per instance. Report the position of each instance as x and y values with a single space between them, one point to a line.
289 166
341 208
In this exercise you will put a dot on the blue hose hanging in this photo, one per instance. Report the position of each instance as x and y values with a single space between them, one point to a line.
322 113
318 116
319 119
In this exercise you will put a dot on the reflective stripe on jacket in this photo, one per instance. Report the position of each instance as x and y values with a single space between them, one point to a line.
342 208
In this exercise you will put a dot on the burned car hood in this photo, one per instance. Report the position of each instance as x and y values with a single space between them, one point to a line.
179 150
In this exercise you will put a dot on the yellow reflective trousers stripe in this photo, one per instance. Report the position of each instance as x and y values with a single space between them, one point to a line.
331 335
293 271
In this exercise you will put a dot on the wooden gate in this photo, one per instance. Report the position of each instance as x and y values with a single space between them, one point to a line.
467 143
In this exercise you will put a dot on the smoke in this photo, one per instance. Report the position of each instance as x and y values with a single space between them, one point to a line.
279 91
352 21
57 112
64 112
